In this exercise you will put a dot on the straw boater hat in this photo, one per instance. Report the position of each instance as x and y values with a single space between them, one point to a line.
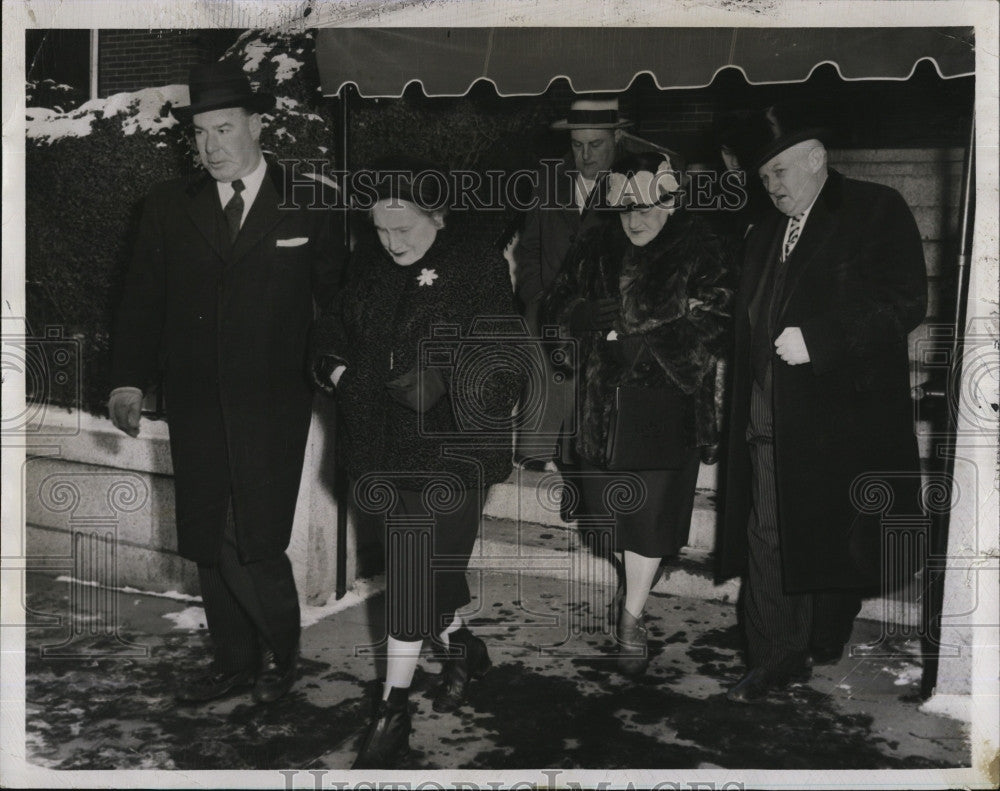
215 86
593 114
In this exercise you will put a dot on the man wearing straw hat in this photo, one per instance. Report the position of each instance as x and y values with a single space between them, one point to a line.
217 305
566 204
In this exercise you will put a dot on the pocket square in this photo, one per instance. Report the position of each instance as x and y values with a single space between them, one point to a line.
295 241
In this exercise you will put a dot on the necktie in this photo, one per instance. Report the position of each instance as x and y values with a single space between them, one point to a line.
794 229
234 210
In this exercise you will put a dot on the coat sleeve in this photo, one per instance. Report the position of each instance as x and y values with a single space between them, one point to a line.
329 338
328 257
881 292
138 333
691 347
485 312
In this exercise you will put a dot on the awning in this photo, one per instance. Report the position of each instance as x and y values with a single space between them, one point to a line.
381 62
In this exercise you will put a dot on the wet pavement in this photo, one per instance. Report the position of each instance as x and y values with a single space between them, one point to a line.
553 698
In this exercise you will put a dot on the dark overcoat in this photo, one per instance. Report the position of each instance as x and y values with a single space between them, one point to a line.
675 300
227 327
843 431
458 297
552 227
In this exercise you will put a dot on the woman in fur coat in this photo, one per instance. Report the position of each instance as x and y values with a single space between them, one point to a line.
404 351
648 302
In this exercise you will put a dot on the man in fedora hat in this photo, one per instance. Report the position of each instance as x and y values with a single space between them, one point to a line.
217 305
566 203
833 281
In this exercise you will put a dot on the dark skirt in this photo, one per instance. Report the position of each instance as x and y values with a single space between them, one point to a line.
649 511
426 558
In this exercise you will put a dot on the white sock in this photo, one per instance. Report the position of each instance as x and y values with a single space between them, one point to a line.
401 664
456 624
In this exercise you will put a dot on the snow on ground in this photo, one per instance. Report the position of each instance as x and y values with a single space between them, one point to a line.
128 589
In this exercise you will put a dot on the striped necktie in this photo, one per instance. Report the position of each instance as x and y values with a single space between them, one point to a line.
794 229
234 210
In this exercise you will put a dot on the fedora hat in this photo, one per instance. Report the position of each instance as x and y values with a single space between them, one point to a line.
782 126
215 86
593 113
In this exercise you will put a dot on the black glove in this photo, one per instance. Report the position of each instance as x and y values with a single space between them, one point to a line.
323 369
594 314
418 391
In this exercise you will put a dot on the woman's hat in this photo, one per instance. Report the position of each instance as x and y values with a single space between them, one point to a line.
593 114
215 86
413 179
785 126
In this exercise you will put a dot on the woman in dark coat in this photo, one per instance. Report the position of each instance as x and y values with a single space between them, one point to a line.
404 349
648 301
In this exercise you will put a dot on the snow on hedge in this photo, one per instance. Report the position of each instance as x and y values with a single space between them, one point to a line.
141 111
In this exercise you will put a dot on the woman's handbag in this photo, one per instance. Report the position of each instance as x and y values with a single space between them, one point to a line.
647 429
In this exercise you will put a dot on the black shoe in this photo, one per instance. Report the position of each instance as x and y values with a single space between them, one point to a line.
825 655
467 658
275 677
214 685
759 683
387 740
633 647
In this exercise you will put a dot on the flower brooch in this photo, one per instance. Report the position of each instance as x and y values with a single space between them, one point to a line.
427 277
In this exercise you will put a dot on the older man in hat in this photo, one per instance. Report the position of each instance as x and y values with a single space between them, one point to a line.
833 281
566 203
218 302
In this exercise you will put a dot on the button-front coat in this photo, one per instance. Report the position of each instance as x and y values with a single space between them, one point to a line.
226 326
845 451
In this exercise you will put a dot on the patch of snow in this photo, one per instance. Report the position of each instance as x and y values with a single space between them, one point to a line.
127 589
190 619
254 54
140 111
285 103
361 590
908 675
286 67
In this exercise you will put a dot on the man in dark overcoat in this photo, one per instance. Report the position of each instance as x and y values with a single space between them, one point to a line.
566 203
218 304
821 419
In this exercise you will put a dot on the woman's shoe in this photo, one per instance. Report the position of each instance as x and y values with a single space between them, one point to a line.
388 738
633 650
466 659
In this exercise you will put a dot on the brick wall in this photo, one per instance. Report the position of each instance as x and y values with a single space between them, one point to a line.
134 59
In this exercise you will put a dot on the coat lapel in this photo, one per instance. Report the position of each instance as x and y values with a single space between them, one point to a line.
263 216
765 254
206 215
815 238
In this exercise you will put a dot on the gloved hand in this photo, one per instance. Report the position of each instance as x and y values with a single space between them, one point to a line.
594 314
416 390
323 372
124 408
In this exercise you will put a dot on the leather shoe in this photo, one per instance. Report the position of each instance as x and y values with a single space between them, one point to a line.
759 683
466 659
214 685
275 677
825 655
386 742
